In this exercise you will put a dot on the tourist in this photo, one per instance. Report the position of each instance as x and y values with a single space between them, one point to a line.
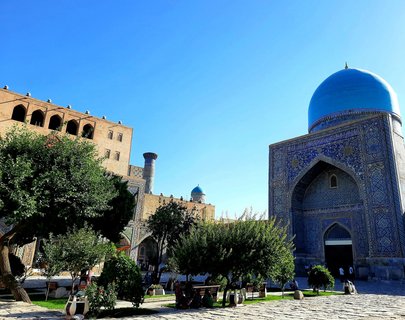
342 274
351 273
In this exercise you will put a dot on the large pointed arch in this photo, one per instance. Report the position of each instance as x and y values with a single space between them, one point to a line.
312 199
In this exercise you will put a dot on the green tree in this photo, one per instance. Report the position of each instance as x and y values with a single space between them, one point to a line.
283 271
80 249
231 250
115 219
166 225
125 274
319 277
48 183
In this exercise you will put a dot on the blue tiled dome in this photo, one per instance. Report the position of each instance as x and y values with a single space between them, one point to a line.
197 189
351 91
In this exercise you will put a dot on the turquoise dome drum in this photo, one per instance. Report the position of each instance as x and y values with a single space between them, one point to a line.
349 94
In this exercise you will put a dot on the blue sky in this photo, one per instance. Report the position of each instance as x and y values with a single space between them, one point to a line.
207 85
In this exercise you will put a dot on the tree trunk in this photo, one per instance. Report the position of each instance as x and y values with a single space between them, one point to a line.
10 282
227 287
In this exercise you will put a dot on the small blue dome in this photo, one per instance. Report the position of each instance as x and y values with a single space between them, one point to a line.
350 91
197 189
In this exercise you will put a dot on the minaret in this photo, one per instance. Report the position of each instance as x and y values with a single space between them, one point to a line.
149 170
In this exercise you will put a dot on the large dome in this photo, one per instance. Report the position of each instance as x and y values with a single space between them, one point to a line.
350 92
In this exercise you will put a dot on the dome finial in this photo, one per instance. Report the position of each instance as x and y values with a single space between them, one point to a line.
346 66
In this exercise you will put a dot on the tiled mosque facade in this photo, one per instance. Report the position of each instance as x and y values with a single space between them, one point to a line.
341 187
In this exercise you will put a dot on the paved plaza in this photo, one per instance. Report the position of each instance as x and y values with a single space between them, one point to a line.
377 300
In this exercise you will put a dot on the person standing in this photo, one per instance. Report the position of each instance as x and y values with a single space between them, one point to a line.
351 274
342 274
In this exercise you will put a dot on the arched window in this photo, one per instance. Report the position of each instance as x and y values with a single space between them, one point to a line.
110 134
333 183
55 123
72 127
88 131
37 118
19 113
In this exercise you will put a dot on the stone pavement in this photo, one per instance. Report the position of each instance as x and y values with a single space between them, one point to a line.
377 300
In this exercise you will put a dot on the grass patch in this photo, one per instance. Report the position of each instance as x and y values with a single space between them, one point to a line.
54 304
272 297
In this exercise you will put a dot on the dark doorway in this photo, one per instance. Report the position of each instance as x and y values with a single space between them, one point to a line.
338 249
338 256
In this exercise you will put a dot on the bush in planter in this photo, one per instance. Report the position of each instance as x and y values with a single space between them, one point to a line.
127 277
99 297
319 277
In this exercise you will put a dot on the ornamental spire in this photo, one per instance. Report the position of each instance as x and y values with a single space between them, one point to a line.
346 66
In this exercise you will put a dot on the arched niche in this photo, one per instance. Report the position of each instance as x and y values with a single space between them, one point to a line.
55 123
88 131
72 127
19 113
37 118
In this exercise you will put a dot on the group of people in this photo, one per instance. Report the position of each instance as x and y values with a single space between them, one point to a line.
347 280
191 298
348 276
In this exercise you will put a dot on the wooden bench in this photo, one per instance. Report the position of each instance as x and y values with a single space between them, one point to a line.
213 289
251 289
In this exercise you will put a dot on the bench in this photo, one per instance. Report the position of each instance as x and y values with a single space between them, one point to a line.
213 289
251 289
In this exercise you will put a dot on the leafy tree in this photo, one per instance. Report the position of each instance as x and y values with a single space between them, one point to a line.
166 225
80 249
231 250
48 183
52 264
127 277
319 277
283 271
119 214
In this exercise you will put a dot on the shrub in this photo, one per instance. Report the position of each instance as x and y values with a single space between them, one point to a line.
319 277
99 297
126 275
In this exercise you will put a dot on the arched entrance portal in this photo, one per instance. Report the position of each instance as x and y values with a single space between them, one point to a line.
324 198
338 249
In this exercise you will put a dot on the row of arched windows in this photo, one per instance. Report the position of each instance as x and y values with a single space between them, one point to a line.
55 122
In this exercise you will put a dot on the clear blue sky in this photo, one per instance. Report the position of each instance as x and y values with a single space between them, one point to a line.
207 85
